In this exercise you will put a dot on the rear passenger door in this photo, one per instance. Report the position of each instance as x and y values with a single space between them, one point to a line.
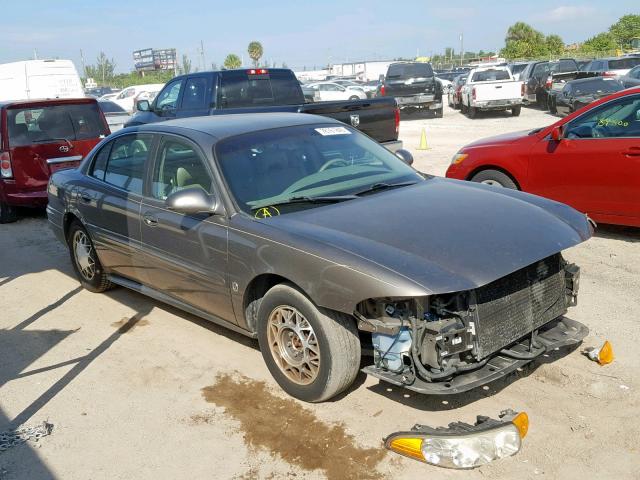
186 255
110 202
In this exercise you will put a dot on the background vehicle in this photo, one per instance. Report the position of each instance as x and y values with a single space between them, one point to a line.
39 137
100 91
491 88
371 87
330 91
455 91
36 79
350 84
632 78
538 78
517 68
265 90
116 115
414 86
589 160
128 97
613 67
310 236
575 94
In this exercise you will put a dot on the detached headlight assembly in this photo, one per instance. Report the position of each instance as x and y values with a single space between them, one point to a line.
458 158
462 445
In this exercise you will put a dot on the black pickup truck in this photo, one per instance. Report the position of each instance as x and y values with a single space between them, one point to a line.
264 90
414 86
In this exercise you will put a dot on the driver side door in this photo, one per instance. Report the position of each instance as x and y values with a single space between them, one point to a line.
167 100
595 168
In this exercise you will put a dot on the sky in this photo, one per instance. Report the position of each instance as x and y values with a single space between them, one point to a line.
300 33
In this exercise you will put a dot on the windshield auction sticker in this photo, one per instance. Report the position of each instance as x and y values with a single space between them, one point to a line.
326 131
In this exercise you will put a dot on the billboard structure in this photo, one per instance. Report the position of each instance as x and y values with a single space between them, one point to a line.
149 59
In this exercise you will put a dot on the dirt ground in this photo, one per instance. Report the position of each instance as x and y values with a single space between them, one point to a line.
137 389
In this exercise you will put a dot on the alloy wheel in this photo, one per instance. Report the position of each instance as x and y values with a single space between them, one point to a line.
83 254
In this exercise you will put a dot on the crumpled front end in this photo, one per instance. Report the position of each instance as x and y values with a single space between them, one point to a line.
453 342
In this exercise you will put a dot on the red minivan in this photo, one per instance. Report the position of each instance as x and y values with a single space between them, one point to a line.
39 137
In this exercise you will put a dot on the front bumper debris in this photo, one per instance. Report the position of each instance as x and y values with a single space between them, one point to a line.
558 333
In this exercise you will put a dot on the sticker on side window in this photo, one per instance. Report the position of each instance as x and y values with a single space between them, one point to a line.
326 131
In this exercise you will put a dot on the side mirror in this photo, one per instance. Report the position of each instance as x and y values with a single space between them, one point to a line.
143 105
405 156
557 133
192 200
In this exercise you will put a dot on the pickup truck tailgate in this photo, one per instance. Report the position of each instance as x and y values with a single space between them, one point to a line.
375 117
501 90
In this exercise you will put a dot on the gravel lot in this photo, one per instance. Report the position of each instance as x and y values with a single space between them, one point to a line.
137 389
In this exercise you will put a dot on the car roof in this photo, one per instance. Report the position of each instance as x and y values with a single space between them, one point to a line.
223 126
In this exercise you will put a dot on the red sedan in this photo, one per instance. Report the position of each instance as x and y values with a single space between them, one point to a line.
589 160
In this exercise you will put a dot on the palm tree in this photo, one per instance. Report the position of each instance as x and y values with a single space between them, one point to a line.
255 52
232 61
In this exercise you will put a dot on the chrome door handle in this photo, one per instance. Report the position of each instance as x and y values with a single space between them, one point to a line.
150 219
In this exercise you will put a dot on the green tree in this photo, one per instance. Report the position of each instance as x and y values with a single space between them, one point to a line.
625 29
522 40
232 61
103 71
284 65
603 42
255 51
554 44
186 64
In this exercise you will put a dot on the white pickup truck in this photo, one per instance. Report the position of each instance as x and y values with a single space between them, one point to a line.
491 88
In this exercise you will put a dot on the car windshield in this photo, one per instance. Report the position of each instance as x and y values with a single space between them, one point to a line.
410 70
597 85
272 167
55 123
490 75
624 63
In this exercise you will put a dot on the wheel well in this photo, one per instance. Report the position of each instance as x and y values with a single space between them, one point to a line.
68 218
254 293
493 167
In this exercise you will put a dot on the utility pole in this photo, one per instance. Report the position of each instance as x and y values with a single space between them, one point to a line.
35 54
461 48
204 65
84 68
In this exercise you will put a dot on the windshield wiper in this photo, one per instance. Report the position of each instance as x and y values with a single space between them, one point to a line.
384 186
308 199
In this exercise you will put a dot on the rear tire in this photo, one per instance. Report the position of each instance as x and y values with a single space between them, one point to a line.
439 113
515 111
494 178
85 261
472 112
313 353
7 213
463 108
352 98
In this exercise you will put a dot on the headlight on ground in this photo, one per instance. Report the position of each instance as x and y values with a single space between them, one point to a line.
462 445
458 158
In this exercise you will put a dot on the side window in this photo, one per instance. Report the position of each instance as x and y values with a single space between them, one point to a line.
168 97
635 73
617 119
126 162
100 162
178 166
126 93
195 93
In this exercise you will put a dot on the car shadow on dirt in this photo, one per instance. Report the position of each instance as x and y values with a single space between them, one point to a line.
618 232
435 403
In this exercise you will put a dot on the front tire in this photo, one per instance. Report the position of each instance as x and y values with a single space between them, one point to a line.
494 178
85 260
313 353
7 213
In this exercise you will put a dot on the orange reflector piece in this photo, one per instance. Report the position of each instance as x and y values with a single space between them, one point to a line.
409 447
605 355
521 421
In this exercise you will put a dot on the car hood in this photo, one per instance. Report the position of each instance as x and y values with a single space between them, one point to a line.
444 235
503 139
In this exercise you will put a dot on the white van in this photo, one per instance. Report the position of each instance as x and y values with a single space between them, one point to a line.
36 79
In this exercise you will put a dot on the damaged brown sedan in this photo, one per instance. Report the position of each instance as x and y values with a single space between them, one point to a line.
309 236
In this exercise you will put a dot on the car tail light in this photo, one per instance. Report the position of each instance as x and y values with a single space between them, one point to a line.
549 82
397 111
258 71
5 165
608 74
473 93
382 91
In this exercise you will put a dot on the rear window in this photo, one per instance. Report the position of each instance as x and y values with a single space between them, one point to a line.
490 75
563 66
624 63
410 70
518 68
597 85
239 89
54 123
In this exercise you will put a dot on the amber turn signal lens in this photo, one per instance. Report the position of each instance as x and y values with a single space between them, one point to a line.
521 421
605 355
409 447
